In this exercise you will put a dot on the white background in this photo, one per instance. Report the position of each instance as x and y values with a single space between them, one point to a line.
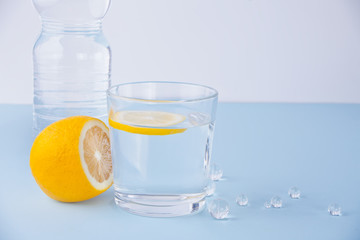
250 50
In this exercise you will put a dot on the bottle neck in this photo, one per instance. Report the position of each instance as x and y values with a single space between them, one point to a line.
51 26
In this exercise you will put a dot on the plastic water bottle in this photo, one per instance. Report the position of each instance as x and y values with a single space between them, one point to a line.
71 61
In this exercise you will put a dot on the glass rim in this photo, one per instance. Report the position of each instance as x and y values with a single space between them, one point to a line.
210 96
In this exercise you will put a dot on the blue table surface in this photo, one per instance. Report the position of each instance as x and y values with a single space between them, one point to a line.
263 149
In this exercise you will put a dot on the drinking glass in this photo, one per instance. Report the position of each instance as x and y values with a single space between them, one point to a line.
161 139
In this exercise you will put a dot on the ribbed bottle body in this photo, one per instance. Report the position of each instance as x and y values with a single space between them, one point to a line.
71 74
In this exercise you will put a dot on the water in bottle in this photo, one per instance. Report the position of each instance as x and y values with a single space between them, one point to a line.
71 61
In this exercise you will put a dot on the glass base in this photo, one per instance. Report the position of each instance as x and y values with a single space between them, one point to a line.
161 205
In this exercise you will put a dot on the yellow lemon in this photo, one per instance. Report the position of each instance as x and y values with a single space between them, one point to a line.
146 122
71 159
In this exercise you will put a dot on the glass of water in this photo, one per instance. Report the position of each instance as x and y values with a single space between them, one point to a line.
161 139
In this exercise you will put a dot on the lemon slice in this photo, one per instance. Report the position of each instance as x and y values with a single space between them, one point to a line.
147 122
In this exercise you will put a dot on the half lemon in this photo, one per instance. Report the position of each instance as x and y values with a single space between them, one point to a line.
71 159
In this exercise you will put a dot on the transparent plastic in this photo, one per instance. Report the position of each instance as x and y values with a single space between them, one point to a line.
71 61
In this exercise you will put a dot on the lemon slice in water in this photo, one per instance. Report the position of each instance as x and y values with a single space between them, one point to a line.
146 122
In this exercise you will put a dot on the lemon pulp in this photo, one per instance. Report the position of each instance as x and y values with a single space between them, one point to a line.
146 122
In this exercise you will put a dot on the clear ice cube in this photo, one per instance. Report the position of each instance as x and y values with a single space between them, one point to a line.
215 172
294 192
219 208
197 118
210 189
276 202
242 200
267 204
334 209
